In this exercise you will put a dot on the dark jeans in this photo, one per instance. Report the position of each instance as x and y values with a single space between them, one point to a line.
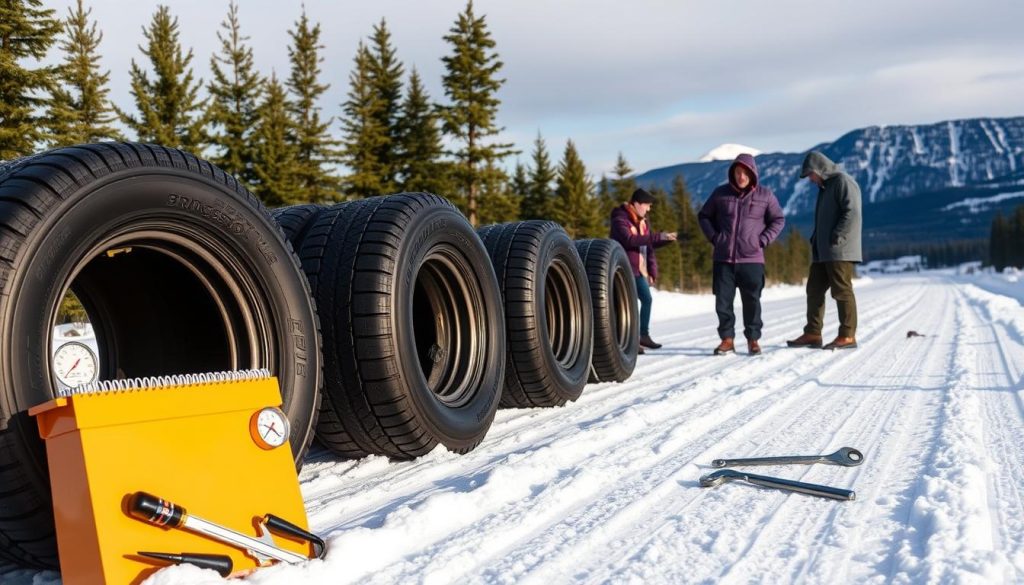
837 276
643 293
749 278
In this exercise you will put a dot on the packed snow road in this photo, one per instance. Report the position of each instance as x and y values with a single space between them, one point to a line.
605 490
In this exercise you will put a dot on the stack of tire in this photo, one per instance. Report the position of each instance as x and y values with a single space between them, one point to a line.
391 325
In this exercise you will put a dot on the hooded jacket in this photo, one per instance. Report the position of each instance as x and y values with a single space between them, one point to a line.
837 213
635 235
740 223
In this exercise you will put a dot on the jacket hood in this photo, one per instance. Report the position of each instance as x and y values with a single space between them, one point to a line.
747 161
819 163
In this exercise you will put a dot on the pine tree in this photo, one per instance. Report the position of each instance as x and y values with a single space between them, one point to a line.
519 185
420 167
798 258
998 241
26 32
169 110
386 80
694 250
80 110
362 132
471 84
575 206
1015 246
314 145
275 156
622 186
662 218
234 99
498 204
604 194
539 200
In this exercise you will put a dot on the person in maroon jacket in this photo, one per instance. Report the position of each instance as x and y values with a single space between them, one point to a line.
630 228
740 219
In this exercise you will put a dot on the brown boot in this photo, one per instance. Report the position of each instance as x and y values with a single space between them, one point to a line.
805 340
725 347
753 348
842 343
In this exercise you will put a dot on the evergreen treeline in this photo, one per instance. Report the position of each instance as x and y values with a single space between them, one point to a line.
936 254
268 130
1006 240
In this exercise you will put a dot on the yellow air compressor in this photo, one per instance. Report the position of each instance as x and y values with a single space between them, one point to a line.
214 443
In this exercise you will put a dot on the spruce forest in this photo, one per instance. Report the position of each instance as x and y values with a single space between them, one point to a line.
269 132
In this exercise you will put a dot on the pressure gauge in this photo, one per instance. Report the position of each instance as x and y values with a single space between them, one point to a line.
74 364
269 427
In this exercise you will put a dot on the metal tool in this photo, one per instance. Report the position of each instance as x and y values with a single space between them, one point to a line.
723 475
220 563
847 456
160 512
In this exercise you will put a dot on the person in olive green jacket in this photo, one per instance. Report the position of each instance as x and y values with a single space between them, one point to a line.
835 248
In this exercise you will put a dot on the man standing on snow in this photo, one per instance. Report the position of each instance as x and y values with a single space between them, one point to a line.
835 248
630 228
740 219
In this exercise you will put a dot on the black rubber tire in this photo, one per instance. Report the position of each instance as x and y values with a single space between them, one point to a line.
199 260
616 318
547 306
295 220
404 371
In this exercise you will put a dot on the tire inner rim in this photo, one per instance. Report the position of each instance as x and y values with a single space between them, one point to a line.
620 305
164 302
562 312
448 326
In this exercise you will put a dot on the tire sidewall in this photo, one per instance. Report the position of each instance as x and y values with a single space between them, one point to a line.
556 245
454 426
156 196
619 263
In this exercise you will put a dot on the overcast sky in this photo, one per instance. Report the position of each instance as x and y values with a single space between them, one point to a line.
661 81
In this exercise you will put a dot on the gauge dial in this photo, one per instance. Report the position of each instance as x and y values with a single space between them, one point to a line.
269 427
74 364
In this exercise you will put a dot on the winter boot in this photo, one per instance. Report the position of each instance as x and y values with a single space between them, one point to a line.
753 348
727 346
646 341
805 340
842 343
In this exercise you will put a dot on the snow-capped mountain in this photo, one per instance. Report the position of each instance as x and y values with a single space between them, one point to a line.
727 151
889 162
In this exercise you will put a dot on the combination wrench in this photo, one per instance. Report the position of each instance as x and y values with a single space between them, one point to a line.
723 475
847 456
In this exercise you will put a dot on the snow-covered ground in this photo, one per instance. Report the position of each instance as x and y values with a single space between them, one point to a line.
605 490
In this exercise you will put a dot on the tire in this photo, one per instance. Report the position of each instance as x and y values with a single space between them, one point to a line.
295 220
548 317
616 319
179 268
412 325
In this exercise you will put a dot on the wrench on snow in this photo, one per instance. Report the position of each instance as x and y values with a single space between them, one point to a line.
723 475
847 456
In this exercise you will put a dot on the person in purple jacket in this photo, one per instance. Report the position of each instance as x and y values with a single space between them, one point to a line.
740 219
629 227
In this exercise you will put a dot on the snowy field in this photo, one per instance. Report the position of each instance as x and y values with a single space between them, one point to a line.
605 490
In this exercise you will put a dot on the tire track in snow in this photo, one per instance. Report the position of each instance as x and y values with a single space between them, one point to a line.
815 547
948 529
1000 385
